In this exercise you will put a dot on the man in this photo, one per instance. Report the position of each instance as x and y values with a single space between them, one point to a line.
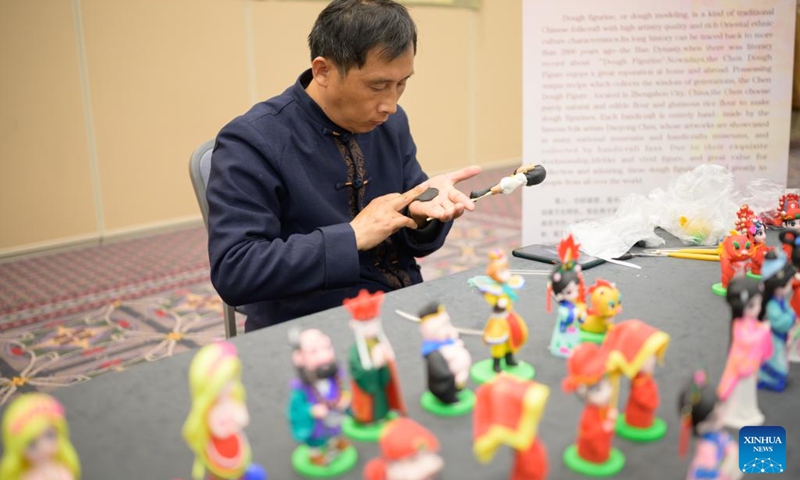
447 359
409 451
303 194
318 402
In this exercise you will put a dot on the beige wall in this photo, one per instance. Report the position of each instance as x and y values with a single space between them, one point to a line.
104 100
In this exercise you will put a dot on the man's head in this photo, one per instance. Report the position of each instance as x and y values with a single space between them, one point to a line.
313 355
435 323
362 54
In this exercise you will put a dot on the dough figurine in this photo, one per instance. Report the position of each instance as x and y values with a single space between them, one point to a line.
791 238
752 226
716 454
448 363
777 275
375 383
508 412
789 211
566 285
505 332
36 442
525 175
317 406
408 452
592 454
605 303
750 348
633 348
735 253
214 429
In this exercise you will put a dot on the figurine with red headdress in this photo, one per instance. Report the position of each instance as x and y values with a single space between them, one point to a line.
789 211
375 383
505 332
752 226
566 285
507 412
408 452
716 454
633 348
592 453
604 303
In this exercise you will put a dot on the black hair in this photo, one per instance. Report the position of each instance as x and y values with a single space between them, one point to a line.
697 399
776 281
740 290
429 309
346 30
565 277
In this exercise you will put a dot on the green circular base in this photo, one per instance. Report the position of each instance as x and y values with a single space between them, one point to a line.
483 371
339 466
656 431
753 275
718 289
612 466
466 400
591 337
365 432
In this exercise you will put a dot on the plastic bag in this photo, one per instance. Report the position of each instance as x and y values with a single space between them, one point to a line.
698 207
611 237
762 196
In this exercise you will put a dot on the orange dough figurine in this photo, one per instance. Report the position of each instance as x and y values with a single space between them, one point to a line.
408 452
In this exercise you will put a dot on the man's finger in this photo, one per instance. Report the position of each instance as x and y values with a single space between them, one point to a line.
403 221
404 199
464 173
457 196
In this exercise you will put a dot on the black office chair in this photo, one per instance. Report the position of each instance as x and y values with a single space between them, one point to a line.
199 169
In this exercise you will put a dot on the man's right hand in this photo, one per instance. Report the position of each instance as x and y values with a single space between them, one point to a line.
382 218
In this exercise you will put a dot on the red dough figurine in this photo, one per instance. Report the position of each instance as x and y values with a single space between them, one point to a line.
735 252
408 452
751 225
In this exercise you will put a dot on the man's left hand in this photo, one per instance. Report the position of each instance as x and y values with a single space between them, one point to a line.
450 203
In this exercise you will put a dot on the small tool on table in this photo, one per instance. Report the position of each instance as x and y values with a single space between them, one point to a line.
707 254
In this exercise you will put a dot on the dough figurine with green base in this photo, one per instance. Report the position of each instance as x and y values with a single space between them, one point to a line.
735 253
317 407
447 362
604 303
592 453
505 332
375 383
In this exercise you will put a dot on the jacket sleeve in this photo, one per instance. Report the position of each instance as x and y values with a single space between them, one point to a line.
250 261
424 241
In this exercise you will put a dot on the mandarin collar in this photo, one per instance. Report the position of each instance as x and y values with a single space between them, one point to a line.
314 111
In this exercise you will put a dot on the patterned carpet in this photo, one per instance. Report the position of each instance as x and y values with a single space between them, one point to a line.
68 317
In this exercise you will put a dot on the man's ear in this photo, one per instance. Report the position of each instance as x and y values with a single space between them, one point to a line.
322 70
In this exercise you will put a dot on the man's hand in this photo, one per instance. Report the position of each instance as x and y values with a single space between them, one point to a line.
382 218
450 203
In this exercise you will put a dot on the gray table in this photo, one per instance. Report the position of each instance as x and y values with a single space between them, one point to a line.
127 425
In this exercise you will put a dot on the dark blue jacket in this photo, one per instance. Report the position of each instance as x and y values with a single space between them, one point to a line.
282 191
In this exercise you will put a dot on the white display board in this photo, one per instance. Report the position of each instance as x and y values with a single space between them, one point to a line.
622 96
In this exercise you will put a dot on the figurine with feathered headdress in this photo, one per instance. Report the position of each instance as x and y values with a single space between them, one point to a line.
566 285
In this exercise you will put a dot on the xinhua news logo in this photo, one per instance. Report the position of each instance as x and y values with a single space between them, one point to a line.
762 449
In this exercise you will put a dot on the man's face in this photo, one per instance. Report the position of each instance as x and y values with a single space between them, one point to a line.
364 97
437 328
315 351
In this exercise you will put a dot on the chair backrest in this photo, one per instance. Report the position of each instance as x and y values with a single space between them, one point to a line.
199 169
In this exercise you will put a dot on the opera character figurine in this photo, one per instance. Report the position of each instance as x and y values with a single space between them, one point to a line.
505 331
525 175
448 363
214 428
507 412
592 453
777 275
36 442
408 452
716 453
752 226
375 384
792 238
566 285
317 407
735 253
789 211
604 303
633 348
750 348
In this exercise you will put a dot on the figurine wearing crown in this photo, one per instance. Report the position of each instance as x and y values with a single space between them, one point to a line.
716 454
587 376
317 407
605 303
505 332
566 285
375 382
633 348
752 226
508 412
448 363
